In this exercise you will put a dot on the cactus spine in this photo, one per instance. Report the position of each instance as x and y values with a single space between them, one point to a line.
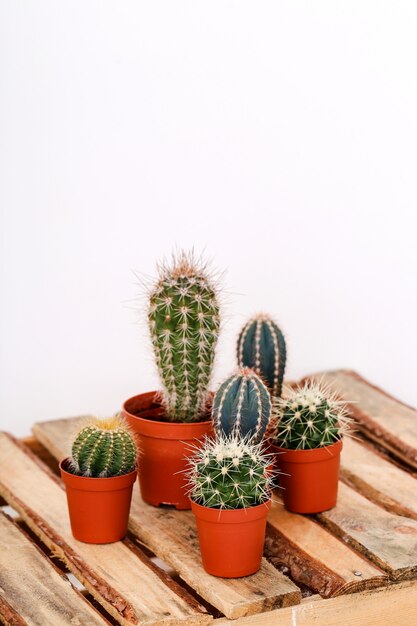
184 323
103 449
261 346
309 417
230 473
242 406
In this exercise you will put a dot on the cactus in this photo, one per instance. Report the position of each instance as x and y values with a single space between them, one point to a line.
309 417
261 346
184 323
230 473
104 448
242 406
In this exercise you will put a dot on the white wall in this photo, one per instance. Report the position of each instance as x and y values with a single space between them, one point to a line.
280 136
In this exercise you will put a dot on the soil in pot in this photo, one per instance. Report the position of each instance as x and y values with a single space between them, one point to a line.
98 507
309 478
231 541
164 447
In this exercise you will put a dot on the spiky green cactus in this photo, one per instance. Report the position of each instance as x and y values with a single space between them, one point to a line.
309 417
242 406
261 346
230 473
184 323
104 448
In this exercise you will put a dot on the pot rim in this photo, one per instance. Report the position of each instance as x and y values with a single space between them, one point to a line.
323 453
231 516
159 429
92 483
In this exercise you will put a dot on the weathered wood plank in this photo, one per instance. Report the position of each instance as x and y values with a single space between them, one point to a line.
387 539
315 557
56 435
127 586
375 477
172 536
383 418
386 606
33 589
41 452
8 616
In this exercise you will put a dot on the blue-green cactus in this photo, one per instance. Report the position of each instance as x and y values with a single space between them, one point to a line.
242 406
261 346
184 322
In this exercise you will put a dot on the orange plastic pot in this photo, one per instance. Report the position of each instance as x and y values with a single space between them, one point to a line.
164 448
231 541
98 507
309 478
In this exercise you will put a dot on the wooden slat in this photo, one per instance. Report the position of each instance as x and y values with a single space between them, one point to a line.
395 604
172 536
56 435
389 540
34 591
315 557
379 480
42 453
120 580
383 418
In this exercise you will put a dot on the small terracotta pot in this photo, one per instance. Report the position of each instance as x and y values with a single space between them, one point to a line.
164 448
309 477
231 541
98 507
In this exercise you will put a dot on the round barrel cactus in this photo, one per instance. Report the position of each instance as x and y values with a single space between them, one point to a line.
184 322
104 448
230 473
261 346
242 406
309 417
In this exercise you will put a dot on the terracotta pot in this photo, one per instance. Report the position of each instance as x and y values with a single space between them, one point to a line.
309 477
231 541
98 507
164 447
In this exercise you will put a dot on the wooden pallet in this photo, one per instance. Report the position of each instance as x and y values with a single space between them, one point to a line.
355 564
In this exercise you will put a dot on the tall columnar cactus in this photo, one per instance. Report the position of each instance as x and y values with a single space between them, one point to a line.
104 448
242 406
230 473
310 416
261 346
184 324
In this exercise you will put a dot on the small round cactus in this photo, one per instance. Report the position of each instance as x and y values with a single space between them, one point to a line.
261 346
103 449
184 323
309 417
230 473
242 406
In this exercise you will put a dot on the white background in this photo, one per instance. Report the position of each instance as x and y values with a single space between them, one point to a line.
279 136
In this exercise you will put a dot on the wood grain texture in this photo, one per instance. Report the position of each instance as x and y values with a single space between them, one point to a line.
36 593
379 480
8 615
387 539
393 605
315 557
172 536
381 417
56 435
125 585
